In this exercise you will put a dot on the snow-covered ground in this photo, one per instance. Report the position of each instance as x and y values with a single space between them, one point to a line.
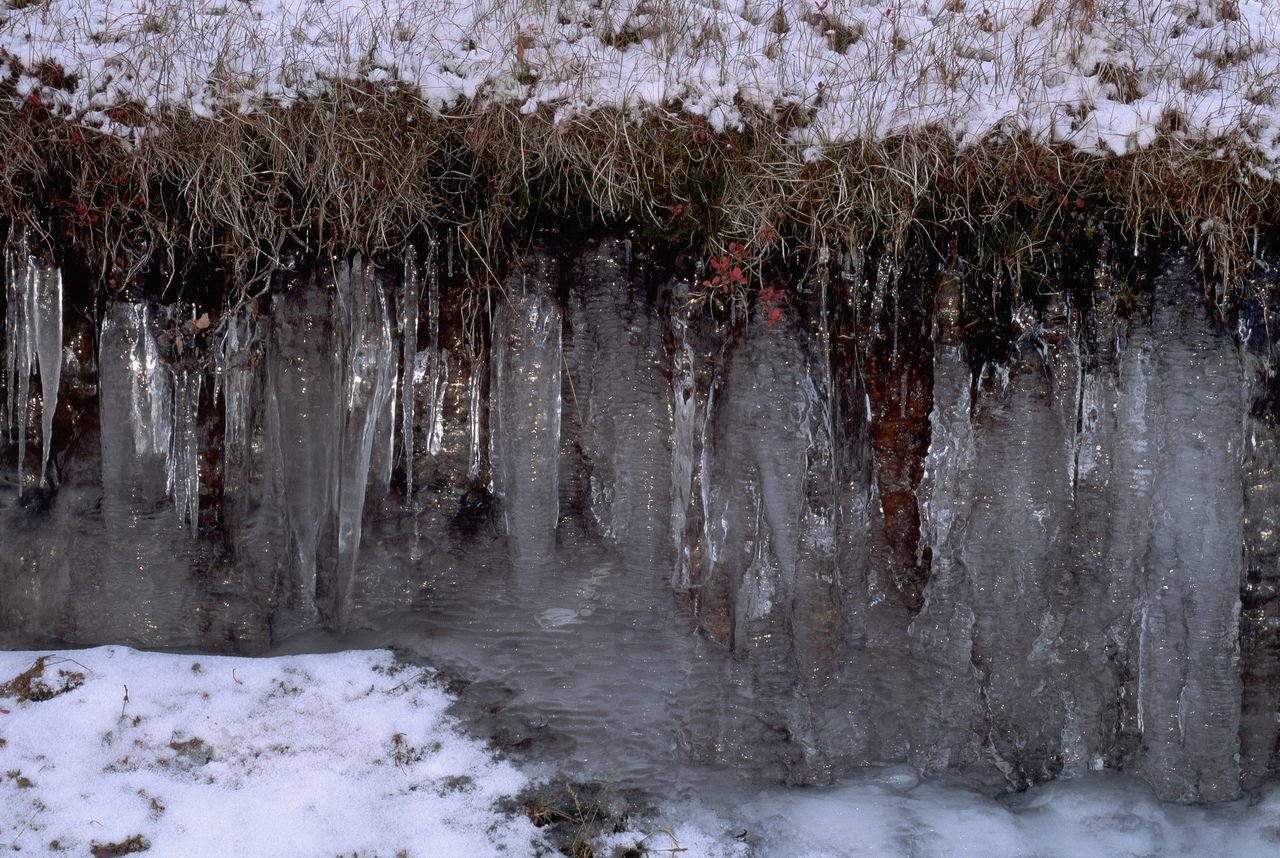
305 755
1104 75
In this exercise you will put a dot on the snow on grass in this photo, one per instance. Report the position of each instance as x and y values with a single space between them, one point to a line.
199 755
1103 75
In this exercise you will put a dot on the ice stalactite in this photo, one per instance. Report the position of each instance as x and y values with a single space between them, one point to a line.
1111 493
615 360
1013 551
942 634
684 434
33 328
134 580
435 369
524 408
366 384
1260 594
182 472
852 437
1189 680
475 418
409 299
238 356
331 372
772 589
696 343
164 402
303 370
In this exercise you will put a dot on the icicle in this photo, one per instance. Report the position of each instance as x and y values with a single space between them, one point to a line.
368 386
11 319
684 433
149 399
33 336
182 469
438 367
524 437
474 425
304 413
409 297
453 239
236 360
19 269
46 324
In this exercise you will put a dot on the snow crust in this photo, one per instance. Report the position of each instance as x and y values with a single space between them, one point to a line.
1103 76
303 755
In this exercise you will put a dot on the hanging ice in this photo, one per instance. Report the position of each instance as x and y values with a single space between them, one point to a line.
303 415
238 353
1189 680
409 298
182 472
684 434
367 383
616 359
33 328
437 371
524 409
475 423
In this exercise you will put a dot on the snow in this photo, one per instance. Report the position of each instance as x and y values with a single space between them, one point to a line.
1105 77
200 755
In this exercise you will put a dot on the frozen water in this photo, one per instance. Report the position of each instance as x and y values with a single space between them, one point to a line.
668 531
525 409
33 339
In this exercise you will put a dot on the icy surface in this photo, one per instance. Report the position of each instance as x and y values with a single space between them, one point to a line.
1105 77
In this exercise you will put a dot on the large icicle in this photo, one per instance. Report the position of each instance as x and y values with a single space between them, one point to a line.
303 416
942 633
684 434
33 339
238 352
182 472
46 325
475 421
409 298
1189 680
616 358
367 385
437 361
524 409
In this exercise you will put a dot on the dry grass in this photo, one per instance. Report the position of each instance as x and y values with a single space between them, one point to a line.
374 166
371 168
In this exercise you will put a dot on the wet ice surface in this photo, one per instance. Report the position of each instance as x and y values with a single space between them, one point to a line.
589 670
701 556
